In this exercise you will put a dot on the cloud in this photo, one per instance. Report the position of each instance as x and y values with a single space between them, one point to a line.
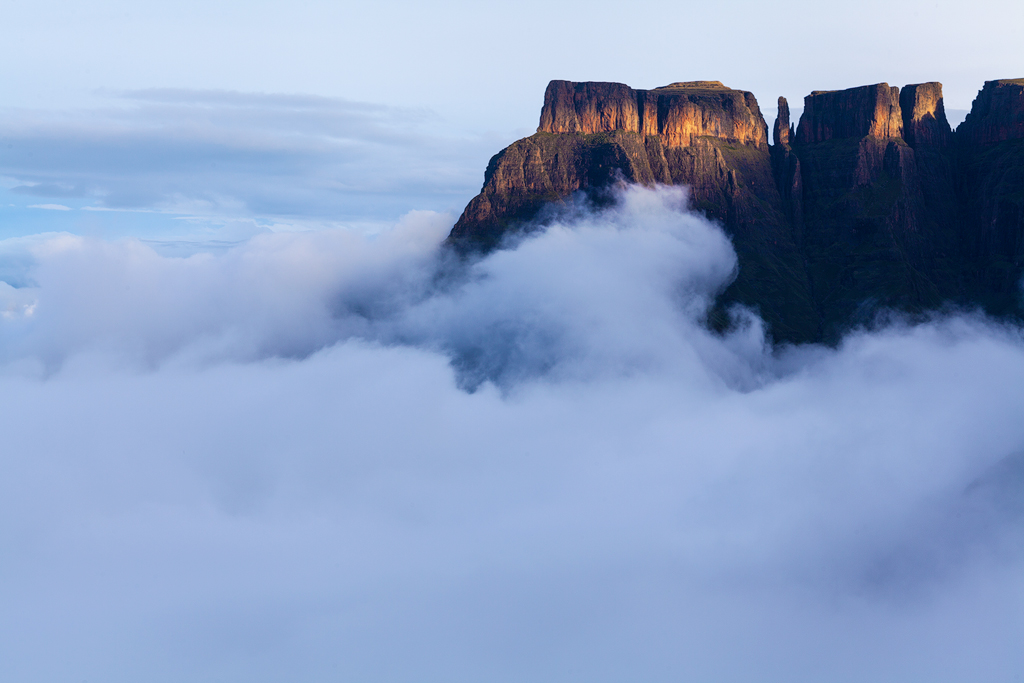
51 207
323 456
46 190
242 155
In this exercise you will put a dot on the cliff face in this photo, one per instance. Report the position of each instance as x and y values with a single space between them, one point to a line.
677 114
990 148
924 116
869 111
869 238
871 202
546 168
997 114
702 134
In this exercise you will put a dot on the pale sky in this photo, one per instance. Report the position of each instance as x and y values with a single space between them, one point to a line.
229 117
484 65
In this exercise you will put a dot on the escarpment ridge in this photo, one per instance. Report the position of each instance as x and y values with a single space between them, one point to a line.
870 202
676 114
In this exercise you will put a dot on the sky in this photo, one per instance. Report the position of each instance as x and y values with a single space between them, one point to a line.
258 426
214 120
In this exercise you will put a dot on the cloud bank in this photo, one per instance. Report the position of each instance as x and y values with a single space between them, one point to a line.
321 456
296 159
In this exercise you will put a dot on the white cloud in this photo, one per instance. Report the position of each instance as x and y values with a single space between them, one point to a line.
259 465
222 154
51 207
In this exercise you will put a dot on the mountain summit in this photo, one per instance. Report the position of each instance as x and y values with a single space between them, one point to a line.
872 202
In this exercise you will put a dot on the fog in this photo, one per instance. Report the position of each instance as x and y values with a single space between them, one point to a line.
325 456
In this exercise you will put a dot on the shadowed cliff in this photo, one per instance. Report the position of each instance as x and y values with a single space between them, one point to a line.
990 148
703 135
870 203
871 233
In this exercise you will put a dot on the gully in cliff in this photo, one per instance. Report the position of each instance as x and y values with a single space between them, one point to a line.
871 202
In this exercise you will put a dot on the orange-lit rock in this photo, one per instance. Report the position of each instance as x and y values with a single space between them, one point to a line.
868 111
924 116
589 108
678 113
783 130
871 204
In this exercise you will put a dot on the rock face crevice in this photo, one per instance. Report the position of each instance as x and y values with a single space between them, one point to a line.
871 202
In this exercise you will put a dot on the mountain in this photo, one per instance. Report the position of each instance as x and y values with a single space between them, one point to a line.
871 202
990 180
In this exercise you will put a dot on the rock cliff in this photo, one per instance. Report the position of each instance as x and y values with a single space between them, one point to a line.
677 114
869 239
990 157
870 202
868 111
924 116
997 114
701 134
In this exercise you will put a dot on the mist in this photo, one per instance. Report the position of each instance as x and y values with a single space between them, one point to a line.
330 456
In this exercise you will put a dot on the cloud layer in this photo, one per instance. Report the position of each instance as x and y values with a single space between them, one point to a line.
229 155
325 457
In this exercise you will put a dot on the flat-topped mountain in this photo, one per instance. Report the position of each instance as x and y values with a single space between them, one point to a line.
676 114
871 202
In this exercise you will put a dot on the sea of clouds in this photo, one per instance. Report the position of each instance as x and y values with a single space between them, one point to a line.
326 456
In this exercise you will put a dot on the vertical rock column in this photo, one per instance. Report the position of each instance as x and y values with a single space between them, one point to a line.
927 131
786 167
924 116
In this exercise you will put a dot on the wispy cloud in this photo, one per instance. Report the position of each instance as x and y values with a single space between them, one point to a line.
223 153
51 207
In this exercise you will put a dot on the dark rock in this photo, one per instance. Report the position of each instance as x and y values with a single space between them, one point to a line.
786 167
871 203
700 134
783 130
990 156
868 235
924 116
868 111
997 114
